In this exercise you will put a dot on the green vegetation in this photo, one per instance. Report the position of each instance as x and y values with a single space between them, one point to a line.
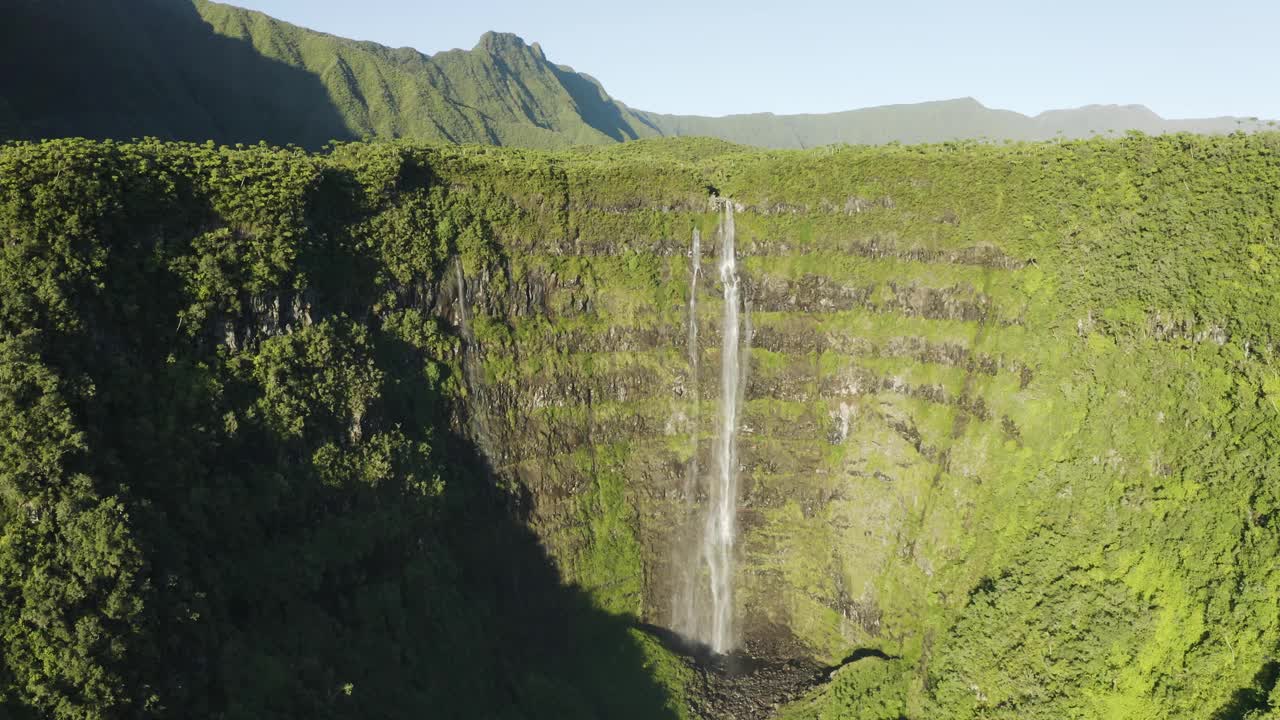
231 484
398 430
198 70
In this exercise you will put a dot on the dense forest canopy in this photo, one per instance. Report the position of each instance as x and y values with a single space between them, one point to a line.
385 431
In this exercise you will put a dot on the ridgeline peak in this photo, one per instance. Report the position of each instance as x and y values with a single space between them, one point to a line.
502 43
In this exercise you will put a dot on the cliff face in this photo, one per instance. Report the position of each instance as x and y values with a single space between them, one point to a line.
885 381
1008 423
973 439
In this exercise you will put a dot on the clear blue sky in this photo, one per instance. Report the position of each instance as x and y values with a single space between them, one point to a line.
711 57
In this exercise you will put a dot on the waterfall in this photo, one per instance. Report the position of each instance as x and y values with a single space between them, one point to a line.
464 326
477 415
702 607
695 270
719 536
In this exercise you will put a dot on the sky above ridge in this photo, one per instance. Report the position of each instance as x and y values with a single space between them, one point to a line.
710 57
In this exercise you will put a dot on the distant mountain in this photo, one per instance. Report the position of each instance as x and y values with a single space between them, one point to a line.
197 70
965 118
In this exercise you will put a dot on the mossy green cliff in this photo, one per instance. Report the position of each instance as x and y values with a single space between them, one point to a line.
1012 421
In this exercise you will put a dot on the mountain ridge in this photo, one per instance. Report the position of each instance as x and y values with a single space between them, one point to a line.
203 70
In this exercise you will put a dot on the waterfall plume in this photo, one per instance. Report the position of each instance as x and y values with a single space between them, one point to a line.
703 607
721 528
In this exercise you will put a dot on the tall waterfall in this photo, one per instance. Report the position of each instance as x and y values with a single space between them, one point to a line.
721 528
702 606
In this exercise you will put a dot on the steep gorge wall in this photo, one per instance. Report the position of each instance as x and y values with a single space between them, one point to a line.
1010 418
877 383
971 440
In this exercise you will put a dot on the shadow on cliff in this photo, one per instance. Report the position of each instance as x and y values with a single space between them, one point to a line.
494 628
596 108
316 536
126 69
547 649
562 657
1254 700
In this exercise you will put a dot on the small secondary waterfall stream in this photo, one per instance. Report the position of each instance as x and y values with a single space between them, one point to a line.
684 602
695 394
477 416
703 605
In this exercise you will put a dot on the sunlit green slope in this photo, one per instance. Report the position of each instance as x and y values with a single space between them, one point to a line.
202 70
199 70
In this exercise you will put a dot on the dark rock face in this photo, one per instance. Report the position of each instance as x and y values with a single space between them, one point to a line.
741 687
811 293
755 682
